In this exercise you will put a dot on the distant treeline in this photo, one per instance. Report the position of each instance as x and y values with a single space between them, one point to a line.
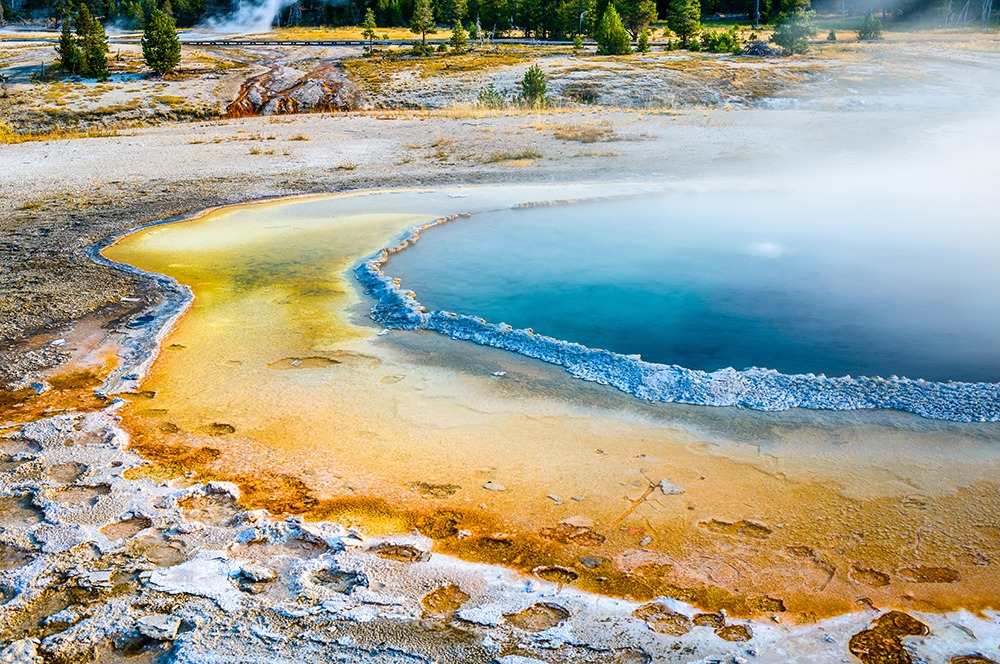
543 19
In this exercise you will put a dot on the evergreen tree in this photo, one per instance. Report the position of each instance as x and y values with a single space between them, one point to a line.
160 46
70 55
870 28
534 87
93 43
612 38
637 15
457 9
529 17
368 29
459 37
684 18
643 45
793 30
422 21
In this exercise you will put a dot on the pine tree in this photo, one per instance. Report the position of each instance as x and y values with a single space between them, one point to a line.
70 55
637 15
793 30
684 18
612 38
457 9
93 43
422 22
534 87
160 46
458 37
368 29
643 45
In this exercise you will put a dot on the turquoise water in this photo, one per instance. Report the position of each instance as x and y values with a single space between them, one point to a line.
876 287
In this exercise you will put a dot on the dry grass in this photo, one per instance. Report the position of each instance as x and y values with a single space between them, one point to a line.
587 132
299 137
10 137
507 157
337 33
375 74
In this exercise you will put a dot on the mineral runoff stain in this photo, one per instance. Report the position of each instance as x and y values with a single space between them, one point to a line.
275 379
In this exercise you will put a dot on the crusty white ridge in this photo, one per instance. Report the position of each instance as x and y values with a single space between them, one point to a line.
759 389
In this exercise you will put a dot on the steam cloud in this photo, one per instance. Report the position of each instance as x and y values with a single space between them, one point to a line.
253 17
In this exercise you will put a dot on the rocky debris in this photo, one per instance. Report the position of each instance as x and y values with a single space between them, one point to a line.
283 89
159 626
761 49
669 488
258 573
494 486
206 575
20 652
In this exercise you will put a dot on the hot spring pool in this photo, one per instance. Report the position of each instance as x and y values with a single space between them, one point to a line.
724 281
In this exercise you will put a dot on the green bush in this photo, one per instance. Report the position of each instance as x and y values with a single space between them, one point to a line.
612 38
684 19
642 45
490 97
870 28
793 30
85 54
534 87
160 46
832 35
721 41
459 37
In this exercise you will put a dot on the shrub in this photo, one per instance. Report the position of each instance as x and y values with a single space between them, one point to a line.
643 44
684 19
832 35
793 30
490 97
369 28
534 87
93 43
70 54
459 37
870 28
577 44
612 38
160 46
721 41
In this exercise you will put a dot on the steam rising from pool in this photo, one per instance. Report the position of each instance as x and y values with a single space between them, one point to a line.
703 285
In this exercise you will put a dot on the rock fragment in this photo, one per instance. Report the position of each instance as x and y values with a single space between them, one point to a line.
258 573
494 486
159 626
20 652
669 488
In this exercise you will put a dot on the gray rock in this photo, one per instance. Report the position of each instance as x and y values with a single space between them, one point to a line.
669 488
20 652
258 573
159 626
494 486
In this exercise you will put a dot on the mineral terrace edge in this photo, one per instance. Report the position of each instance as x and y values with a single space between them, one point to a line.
754 388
